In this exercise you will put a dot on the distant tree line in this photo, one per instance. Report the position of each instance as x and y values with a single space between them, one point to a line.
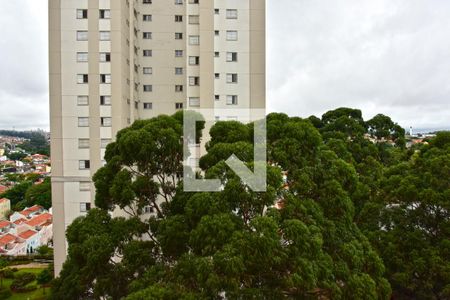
37 141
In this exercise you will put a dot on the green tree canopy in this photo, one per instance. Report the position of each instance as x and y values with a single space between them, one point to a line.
295 241
40 194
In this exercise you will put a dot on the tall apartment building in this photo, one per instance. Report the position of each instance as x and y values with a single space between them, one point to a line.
115 61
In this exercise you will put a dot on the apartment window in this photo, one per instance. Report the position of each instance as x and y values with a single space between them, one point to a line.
217 75
147 18
194 40
147 35
85 186
82 78
105 14
194 101
104 143
232 100
83 122
82 100
193 1
217 97
82 57
178 53
232 56
147 53
194 19
232 78
232 35
83 143
105 57
178 18
216 11
178 2
82 13
194 80
147 70
178 71
232 14
105 35
148 88
85 207
178 88
178 35
179 105
148 209
148 105
105 78
194 60
105 121
105 100
216 54
84 164
147 1
82 35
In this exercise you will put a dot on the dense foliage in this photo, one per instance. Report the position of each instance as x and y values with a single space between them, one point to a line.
26 192
349 213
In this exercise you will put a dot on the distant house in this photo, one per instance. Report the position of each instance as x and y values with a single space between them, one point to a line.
12 245
31 238
27 213
26 231
5 226
5 207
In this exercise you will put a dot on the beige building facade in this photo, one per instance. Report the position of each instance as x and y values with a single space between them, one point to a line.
115 61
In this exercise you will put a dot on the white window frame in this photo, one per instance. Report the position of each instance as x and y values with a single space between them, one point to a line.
105 35
83 122
82 35
232 35
194 40
83 144
232 99
105 121
82 56
194 101
82 100
232 14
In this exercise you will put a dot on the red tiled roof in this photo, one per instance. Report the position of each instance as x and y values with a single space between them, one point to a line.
7 238
30 210
20 221
40 220
4 223
27 234
3 189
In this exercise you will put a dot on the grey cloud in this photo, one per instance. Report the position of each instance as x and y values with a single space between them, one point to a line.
24 64
380 56
383 56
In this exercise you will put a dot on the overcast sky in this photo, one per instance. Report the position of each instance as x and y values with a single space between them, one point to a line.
383 56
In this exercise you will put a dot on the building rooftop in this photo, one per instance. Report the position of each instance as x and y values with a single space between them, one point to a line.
27 234
20 221
30 210
40 220
4 223
7 238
